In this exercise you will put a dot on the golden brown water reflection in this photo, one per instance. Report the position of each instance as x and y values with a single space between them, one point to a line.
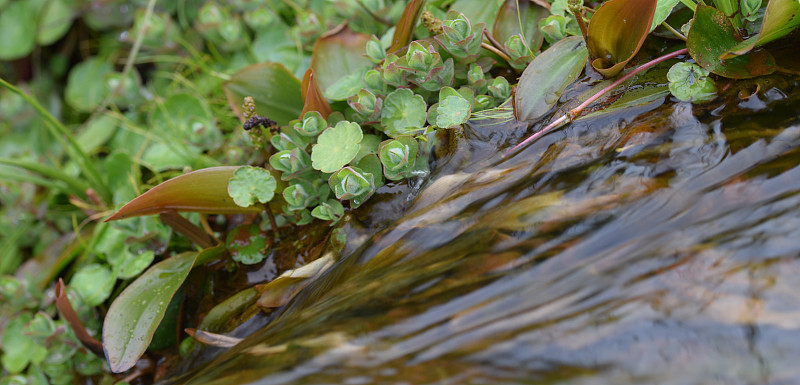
660 246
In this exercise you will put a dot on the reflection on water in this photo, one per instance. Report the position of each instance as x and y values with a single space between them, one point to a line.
661 247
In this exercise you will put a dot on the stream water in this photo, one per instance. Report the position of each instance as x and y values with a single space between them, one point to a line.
657 245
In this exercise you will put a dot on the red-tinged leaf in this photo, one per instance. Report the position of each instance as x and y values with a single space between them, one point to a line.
203 191
780 19
313 98
617 31
509 18
404 31
275 90
712 35
338 56
68 313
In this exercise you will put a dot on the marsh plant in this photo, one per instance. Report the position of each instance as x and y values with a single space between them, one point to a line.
259 118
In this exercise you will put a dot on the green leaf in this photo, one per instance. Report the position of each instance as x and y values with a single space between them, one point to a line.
54 21
529 14
453 109
312 124
403 113
251 184
336 146
690 82
85 90
479 11
780 19
275 90
18 30
97 132
134 265
337 56
94 283
204 191
352 183
542 83
712 35
398 156
247 244
134 316
347 85
290 162
330 210
617 31
663 9
16 345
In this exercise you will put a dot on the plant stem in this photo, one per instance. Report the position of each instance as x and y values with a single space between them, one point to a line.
674 31
573 113
272 221
496 52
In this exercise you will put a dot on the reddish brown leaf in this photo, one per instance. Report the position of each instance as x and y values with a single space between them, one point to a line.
404 31
313 99
203 191
617 31
68 313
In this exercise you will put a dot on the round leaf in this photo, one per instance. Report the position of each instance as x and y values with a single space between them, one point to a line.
250 184
94 283
55 20
403 113
247 244
452 111
690 82
336 146
18 30
84 89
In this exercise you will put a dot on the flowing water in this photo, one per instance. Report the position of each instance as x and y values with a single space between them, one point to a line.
657 246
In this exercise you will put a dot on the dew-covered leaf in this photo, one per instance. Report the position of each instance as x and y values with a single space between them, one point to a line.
249 185
403 113
204 191
712 35
617 31
336 146
352 183
542 83
135 314
690 82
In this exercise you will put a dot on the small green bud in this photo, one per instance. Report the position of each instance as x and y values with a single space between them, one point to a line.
373 80
457 28
474 74
499 88
418 57
375 50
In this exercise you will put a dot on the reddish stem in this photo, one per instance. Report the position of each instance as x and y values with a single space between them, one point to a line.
573 113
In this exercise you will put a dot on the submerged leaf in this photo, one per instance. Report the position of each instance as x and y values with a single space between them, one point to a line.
134 316
204 191
711 35
617 31
542 83
247 244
